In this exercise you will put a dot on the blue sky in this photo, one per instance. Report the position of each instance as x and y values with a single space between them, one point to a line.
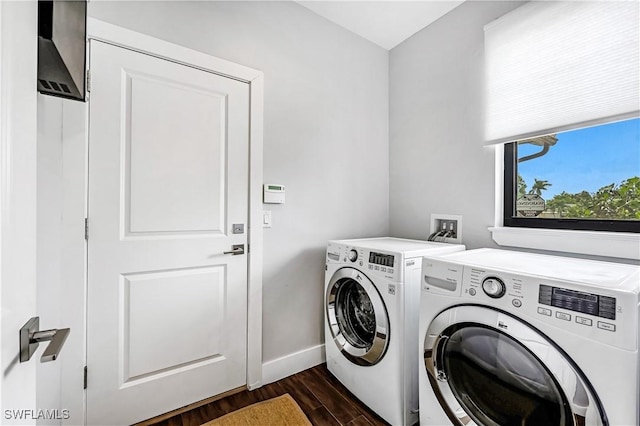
585 159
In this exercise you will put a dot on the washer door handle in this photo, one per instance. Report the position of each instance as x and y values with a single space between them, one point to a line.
439 359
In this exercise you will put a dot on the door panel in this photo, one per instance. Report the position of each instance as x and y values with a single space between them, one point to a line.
168 175
174 172
157 343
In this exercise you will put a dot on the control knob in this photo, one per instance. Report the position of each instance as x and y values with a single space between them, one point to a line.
353 255
494 287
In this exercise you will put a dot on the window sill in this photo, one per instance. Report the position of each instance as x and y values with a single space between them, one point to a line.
609 244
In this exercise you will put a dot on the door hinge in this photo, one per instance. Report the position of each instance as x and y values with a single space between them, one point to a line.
88 80
85 377
86 228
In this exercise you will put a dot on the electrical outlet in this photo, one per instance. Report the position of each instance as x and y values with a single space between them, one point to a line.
446 228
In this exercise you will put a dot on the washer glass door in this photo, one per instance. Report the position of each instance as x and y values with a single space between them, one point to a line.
495 370
357 317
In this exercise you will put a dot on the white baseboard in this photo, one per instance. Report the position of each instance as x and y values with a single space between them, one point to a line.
279 368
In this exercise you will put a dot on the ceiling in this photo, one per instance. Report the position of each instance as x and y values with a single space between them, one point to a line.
386 23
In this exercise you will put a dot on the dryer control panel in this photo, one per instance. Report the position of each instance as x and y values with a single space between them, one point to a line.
578 301
601 313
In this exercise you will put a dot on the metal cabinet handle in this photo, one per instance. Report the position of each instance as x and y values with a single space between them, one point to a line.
236 249
31 336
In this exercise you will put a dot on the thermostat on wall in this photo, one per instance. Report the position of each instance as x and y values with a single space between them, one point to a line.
273 194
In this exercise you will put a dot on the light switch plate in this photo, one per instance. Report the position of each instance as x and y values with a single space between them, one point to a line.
266 218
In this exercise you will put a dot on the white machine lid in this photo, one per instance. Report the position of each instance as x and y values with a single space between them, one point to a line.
603 274
407 247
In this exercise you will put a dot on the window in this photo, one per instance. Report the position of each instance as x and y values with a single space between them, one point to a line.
550 68
585 179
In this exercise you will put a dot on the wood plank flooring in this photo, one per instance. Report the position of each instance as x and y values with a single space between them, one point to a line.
321 396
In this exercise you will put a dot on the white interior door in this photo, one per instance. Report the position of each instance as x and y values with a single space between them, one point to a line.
168 179
18 124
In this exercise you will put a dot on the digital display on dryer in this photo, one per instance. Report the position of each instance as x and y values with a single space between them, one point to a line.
577 301
381 259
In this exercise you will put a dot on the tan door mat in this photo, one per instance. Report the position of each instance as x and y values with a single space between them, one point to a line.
279 411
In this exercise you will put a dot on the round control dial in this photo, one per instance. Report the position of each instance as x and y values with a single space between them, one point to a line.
494 287
353 255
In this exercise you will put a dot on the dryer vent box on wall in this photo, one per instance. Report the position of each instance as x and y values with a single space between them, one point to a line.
273 194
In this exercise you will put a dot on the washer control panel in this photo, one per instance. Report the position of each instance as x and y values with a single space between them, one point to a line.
382 263
369 261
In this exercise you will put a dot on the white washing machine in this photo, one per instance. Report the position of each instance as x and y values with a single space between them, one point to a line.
512 338
372 293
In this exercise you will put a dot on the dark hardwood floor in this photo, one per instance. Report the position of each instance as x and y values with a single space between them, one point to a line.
321 396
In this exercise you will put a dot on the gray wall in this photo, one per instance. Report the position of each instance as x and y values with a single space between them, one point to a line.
325 137
437 161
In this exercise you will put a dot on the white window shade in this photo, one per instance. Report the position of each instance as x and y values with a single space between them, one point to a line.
553 66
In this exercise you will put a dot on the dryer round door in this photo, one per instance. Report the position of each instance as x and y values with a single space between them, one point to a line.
489 368
357 317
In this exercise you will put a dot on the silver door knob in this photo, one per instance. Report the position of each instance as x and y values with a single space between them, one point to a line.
236 249
31 336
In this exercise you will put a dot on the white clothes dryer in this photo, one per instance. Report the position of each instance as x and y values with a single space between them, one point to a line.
513 338
372 293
